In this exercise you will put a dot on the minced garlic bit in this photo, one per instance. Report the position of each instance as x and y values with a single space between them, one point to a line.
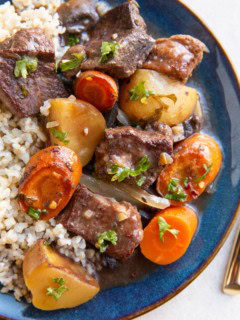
201 185
122 216
52 124
85 131
165 158
89 78
88 214
114 36
178 129
53 205
72 98
78 74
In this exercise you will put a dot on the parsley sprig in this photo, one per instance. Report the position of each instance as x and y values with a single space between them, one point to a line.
122 173
207 170
36 213
70 64
109 50
139 92
109 236
56 293
176 192
72 40
60 135
164 227
25 66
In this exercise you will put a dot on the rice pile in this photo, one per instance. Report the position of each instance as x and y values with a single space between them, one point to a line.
19 140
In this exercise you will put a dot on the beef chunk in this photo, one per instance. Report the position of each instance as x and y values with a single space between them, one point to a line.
89 214
32 42
68 55
78 15
176 56
24 97
124 25
126 146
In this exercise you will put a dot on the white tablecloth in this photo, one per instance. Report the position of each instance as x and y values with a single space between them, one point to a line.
203 299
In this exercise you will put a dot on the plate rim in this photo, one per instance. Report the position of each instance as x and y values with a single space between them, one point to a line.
154 306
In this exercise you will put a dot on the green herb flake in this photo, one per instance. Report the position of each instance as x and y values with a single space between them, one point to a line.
207 170
72 40
56 293
176 192
185 182
164 227
139 92
61 136
36 213
25 66
109 50
47 243
109 236
122 173
24 90
73 63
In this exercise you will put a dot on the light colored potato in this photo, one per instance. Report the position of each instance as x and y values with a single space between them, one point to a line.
42 264
152 110
82 122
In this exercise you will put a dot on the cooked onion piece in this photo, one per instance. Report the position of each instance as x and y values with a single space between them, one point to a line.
124 192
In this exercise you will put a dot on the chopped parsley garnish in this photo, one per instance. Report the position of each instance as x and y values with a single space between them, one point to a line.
139 92
73 63
109 50
109 236
24 90
61 136
25 66
47 243
176 192
36 213
56 293
185 182
121 173
164 226
72 40
207 170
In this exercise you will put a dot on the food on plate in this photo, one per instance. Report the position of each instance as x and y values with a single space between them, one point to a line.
169 234
50 179
132 155
92 216
196 163
85 87
149 95
27 72
55 281
176 56
98 89
80 126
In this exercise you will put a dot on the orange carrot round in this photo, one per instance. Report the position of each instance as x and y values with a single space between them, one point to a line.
98 89
50 178
197 161
169 234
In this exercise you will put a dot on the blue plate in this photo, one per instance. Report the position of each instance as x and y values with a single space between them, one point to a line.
216 80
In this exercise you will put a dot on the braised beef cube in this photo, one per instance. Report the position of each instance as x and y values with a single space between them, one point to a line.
126 147
89 215
78 15
24 96
176 56
32 42
69 54
123 25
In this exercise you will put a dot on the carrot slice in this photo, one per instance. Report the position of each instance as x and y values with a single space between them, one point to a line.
98 89
197 161
50 178
164 247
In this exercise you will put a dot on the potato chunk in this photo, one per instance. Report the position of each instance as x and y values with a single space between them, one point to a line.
152 108
45 271
83 124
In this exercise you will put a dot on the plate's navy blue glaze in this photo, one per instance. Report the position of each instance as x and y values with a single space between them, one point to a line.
218 84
